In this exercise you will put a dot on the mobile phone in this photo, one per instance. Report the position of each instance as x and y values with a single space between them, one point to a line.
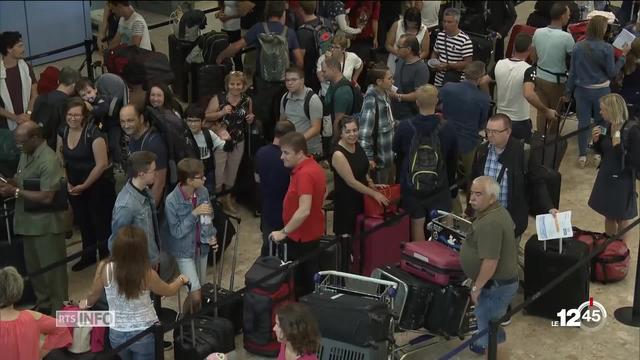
603 130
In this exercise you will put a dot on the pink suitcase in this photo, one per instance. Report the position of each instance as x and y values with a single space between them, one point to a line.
382 247
432 261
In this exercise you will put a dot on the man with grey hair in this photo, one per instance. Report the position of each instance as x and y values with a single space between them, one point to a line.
453 49
49 109
489 258
467 107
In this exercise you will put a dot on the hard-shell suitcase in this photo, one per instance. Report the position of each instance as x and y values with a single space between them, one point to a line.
544 261
230 302
178 52
412 298
203 334
380 247
432 261
362 320
449 312
261 301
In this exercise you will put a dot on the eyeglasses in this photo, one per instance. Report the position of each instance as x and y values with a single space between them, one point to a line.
494 132
202 177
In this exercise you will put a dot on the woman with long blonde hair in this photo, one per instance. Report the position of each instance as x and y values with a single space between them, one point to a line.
613 195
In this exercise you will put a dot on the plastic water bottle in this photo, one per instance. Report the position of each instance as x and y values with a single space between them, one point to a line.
205 219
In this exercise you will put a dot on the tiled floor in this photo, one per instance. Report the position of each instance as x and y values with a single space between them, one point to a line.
528 337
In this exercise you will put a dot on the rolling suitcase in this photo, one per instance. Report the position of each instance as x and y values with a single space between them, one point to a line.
380 247
432 261
202 335
412 298
230 302
261 300
449 312
545 262
178 52
331 259
363 320
518 28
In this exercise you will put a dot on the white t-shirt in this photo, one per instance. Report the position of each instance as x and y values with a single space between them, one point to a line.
509 76
134 26
205 152
349 66
429 13
231 9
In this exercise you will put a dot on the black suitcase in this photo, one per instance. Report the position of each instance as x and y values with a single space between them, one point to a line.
178 52
203 335
331 258
545 150
449 312
542 266
413 297
230 302
362 321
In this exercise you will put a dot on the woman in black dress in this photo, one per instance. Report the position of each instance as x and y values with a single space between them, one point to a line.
613 195
350 167
91 185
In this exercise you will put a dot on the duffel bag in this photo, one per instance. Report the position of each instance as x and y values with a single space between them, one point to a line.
612 264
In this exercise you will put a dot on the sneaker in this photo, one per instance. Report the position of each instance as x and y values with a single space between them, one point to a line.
582 161
596 160
477 349
82 264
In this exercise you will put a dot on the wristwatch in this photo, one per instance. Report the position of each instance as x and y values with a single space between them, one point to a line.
285 232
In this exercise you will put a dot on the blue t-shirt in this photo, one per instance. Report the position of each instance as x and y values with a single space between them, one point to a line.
274 182
151 141
467 108
251 38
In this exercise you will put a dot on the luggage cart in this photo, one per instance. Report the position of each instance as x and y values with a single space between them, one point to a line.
448 228
347 283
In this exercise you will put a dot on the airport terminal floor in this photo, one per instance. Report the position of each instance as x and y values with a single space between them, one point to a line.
528 337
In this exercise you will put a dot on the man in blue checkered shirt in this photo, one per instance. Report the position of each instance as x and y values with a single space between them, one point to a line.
502 158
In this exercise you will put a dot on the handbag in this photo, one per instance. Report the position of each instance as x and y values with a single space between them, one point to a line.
60 199
373 209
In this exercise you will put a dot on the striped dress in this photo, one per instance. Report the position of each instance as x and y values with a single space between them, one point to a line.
451 49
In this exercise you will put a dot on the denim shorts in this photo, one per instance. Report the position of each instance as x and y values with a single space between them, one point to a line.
492 305
196 273
143 349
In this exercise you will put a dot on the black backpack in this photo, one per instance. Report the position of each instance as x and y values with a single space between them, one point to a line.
624 143
426 164
178 144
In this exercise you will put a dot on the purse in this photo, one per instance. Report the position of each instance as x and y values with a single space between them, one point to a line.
373 209
60 199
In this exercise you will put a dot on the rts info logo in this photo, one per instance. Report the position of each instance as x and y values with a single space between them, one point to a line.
590 315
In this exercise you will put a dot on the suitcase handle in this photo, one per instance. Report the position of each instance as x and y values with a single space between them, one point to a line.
345 275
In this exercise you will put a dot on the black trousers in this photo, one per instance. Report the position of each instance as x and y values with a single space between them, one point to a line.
304 273
92 212
266 104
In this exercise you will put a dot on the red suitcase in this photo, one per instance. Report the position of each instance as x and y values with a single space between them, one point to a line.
381 247
432 261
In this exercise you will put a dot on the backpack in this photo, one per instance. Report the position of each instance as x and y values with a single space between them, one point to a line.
624 143
178 144
426 166
307 99
274 54
322 34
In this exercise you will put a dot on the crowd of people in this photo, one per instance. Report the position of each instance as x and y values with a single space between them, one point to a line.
333 108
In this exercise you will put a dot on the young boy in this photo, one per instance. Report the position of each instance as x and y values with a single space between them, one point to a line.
108 121
208 143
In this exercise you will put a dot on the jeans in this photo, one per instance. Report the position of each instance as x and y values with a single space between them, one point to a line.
492 305
142 349
194 269
587 107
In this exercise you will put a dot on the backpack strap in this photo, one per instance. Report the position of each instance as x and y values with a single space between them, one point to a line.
265 27
208 139
307 100
374 133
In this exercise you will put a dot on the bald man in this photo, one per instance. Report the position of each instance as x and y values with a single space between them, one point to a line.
40 220
490 258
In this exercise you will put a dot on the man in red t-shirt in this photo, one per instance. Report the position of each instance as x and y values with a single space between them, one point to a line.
302 208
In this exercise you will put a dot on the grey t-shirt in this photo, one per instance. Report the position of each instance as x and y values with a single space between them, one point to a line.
408 77
295 113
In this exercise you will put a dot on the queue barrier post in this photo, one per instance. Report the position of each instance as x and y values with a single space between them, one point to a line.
158 340
492 348
630 315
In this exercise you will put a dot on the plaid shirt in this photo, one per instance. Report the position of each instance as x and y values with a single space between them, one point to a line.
492 168
384 152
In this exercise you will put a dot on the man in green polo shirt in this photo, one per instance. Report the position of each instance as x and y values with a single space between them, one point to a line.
489 257
42 230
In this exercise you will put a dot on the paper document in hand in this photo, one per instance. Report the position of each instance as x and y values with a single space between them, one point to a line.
625 37
550 227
